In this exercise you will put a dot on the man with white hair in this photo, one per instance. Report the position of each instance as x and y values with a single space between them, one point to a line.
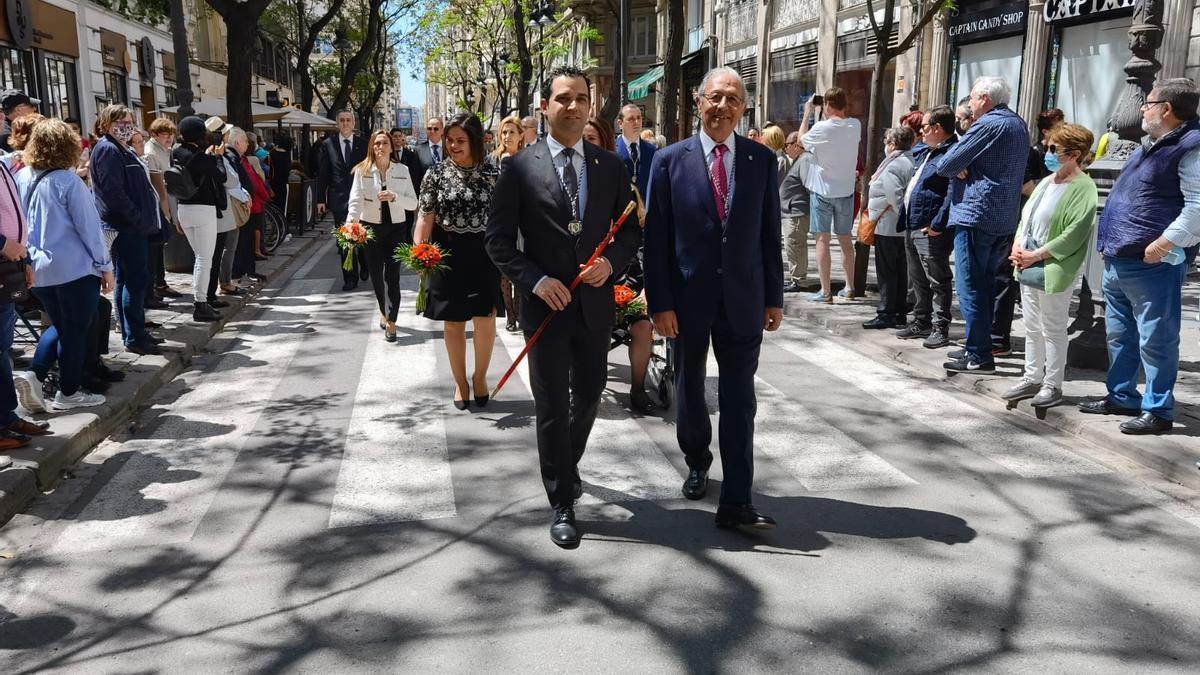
984 209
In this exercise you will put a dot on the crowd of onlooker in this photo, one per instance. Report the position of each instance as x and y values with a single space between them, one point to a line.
89 212
963 204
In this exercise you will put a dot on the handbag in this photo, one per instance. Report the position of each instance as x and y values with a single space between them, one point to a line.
866 226
1033 276
239 210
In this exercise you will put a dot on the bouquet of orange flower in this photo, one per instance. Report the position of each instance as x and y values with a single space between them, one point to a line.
627 303
422 259
351 237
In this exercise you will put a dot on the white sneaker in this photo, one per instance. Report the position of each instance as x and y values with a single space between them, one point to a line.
80 399
29 392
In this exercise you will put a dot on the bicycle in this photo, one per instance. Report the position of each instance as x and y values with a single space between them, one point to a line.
274 228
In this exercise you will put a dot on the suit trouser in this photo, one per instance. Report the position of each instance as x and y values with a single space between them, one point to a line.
737 362
568 367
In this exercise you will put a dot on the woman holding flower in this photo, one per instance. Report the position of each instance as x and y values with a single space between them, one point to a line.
378 185
634 329
454 203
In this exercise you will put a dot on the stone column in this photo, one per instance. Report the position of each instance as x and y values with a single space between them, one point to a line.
827 41
939 64
766 12
1033 66
1177 20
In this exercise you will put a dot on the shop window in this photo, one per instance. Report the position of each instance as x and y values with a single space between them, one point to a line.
1000 58
793 79
1090 55
741 23
115 89
643 31
14 65
170 96
61 98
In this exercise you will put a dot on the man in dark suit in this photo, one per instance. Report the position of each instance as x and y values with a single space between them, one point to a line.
429 152
335 161
562 196
632 148
714 269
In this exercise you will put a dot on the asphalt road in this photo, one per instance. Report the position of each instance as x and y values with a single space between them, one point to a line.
305 499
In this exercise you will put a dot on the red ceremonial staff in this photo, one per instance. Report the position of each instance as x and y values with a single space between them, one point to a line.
545 322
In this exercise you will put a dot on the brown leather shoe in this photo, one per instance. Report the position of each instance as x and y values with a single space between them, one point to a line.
29 428
10 441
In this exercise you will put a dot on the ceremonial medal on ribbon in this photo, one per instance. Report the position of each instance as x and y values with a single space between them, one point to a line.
575 228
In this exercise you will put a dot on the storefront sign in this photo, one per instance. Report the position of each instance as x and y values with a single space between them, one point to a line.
1065 10
145 57
20 23
113 49
985 24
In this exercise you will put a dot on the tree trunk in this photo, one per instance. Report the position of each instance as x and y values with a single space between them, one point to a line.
612 105
524 97
876 125
241 25
671 123
360 59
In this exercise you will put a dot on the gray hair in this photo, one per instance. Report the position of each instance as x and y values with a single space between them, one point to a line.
997 89
252 138
1182 94
232 136
721 70
901 137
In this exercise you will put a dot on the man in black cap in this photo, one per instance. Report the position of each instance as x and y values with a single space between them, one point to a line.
15 104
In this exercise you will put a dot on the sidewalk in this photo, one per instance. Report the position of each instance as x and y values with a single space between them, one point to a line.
1172 455
39 465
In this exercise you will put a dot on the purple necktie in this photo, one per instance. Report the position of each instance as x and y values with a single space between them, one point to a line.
720 182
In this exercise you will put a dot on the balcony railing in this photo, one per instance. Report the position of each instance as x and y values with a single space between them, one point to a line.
695 38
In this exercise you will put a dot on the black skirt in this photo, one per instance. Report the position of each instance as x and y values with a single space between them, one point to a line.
471 287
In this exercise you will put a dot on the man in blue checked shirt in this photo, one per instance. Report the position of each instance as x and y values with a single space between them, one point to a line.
988 166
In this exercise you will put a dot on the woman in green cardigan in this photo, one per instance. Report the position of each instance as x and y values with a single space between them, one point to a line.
1050 246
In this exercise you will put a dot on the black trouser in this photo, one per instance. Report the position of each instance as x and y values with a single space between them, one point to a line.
382 266
243 259
931 277
214 278
892 274
1008 291
862 262
737 361
97 342
568 367
158 270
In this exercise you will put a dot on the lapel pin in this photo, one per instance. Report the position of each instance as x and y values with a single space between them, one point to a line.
596 162
750 157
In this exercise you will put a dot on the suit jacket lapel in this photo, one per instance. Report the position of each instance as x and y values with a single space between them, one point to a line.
700 166
596 199
743 168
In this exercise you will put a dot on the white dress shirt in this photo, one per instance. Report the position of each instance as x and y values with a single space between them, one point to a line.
577 160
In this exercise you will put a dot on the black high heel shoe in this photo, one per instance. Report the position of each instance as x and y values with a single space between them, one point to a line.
462 405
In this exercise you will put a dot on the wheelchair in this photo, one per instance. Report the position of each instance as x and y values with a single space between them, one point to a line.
660 374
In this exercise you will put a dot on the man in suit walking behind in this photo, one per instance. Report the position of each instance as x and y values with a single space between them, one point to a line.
714 270
429 152
335 161
636 152
562 196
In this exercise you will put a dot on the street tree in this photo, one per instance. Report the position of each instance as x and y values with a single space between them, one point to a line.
241 23
671 123
299 25
885 54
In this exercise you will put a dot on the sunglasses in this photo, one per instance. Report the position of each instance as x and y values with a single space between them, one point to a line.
433 128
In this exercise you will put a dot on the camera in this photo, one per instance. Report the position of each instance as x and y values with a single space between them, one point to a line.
818 100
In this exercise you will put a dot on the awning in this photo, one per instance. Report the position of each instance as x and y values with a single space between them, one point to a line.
216 107
640 86
298 118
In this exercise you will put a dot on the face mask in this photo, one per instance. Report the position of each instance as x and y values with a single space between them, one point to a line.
122 132
1051 161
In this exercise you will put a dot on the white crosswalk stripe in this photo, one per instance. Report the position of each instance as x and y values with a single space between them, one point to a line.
396 465
621 458
1026 454
183 494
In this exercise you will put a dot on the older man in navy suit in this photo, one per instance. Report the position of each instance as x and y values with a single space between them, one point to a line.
635 152
714 271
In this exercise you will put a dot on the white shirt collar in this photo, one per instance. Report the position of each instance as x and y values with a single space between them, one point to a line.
556 147
708 143
629 143
348 138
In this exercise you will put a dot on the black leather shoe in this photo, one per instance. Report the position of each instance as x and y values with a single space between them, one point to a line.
879 322
364 273
1107 407
167 292
350 285
563 532
696 484
205 312
154 339
968 365
143 349
1146 423
641 401
155 303
152 324
743 516
217 303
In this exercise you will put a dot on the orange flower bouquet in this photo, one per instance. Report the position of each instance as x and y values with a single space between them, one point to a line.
627 303
351 237
422 259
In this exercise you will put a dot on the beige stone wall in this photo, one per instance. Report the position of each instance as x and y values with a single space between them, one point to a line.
1193 59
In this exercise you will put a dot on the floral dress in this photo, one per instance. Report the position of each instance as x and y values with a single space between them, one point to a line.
460 198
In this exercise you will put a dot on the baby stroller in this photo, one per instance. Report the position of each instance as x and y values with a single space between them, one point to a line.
660 375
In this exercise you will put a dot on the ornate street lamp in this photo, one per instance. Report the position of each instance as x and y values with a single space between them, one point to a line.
541 18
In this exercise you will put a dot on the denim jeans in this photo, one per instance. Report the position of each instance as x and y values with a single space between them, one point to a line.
977 256
1143 312
8 394
132 263
831 215
71 307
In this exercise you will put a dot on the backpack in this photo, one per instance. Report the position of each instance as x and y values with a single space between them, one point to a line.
179 181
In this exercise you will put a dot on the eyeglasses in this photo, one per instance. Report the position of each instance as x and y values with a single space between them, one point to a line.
1149 104
433 128
716 99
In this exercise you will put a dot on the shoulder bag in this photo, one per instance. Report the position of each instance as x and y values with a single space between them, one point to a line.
1033 276
13 286
866 226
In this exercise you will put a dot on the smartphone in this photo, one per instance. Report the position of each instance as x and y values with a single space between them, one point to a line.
818 100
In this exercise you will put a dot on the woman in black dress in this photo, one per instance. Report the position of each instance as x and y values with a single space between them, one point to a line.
455 198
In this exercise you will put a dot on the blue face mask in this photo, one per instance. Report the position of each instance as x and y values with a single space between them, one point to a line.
1051 162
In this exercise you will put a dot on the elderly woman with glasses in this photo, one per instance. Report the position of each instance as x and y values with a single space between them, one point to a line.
885 200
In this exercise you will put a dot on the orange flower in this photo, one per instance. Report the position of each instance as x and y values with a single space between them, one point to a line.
622 294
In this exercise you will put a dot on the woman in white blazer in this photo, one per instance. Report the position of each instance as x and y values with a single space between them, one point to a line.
380 192
885 197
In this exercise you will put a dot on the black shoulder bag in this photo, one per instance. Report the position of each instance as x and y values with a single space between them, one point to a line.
13 288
